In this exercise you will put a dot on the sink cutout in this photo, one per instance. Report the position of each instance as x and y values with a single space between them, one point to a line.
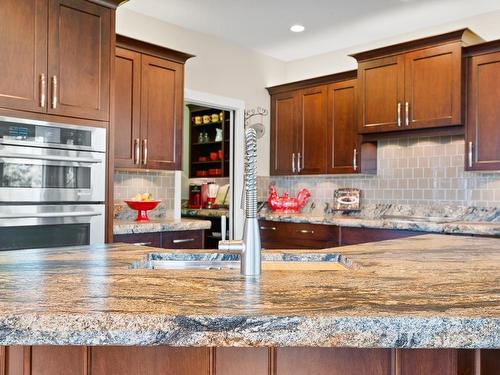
221 261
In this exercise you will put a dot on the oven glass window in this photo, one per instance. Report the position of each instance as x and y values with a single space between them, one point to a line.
44 176
43 236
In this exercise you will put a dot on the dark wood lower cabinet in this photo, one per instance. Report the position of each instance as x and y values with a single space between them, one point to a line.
185 239
153 360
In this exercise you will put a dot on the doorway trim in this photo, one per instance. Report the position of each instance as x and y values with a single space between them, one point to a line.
236 161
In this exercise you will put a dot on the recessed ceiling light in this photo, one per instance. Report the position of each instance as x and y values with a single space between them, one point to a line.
297 28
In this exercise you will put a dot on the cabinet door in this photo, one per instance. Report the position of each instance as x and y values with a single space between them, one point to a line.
343 145
52 360
311 154
381 94
483 113
23 54
284 115
127 108
79 59
185 239
433 87
161 113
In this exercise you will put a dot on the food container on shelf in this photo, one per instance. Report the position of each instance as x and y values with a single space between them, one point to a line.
214 156
202 158
201 173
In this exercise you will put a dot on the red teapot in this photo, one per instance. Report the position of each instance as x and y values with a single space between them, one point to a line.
285 203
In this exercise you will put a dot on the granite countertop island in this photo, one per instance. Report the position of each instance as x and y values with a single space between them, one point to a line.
430 291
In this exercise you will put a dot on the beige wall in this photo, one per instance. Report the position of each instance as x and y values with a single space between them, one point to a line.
486 26
220 67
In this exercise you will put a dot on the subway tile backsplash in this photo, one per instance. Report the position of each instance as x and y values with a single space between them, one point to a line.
414 171
160 184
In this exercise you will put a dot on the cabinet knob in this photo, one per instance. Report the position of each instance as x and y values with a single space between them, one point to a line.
267 228
305 231
183 240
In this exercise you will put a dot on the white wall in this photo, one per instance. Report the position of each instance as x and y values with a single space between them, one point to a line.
220 67
486 26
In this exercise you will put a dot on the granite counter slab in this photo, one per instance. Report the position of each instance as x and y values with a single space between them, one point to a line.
159 225
453 227
429 291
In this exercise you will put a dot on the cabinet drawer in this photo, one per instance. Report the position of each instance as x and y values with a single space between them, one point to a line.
146 239
354 236
277 235
188 239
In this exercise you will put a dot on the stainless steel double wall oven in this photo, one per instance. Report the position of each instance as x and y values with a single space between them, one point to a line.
52 184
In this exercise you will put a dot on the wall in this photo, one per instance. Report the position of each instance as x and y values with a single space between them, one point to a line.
485 25
219 67
421 171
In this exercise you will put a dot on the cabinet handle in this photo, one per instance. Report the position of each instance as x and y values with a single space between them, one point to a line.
268 228
300 160
305 231
183 240
293 163
137 151
407 114
355 160
399 114
142 244
54 92
144 151
43 89
470 154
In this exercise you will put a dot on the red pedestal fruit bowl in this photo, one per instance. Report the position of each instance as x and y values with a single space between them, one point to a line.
142 208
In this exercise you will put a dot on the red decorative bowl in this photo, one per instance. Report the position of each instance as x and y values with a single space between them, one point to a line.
142 208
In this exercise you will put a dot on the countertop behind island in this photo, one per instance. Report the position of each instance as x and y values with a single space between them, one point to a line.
429 291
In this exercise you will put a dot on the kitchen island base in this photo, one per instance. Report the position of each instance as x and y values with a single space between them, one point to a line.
152 360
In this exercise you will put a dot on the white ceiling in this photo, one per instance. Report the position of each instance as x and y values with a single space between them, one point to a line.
331 25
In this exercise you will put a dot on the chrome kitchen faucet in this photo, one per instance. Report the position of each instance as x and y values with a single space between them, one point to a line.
249 247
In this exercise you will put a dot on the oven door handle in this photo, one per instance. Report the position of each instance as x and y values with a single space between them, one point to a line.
51 214
52 158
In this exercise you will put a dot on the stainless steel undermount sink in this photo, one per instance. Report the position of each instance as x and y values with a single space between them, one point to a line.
221 261
421 219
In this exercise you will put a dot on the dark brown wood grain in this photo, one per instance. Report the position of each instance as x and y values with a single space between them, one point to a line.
333 361
187 239
342 129
354 236
483 112
78 57
380 90
23 53
428 361
127 108
147 239
284 119
57 360
149 361
162 96
281 235
242 361
152 49
433 86
312 130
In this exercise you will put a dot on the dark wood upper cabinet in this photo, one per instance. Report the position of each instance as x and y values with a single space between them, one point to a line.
413 85
128 101
311 131
23 54
313 126
381 94
56 57
342 140
284 119
433 87
483 110
148 105
161 113
79 58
